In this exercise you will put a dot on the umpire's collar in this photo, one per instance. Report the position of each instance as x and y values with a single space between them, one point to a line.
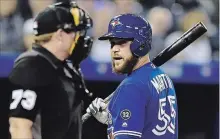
44 51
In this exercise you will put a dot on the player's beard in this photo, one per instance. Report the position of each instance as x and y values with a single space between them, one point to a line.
126 66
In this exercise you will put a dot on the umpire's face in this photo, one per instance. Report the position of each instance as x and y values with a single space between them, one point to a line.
66 40
122 58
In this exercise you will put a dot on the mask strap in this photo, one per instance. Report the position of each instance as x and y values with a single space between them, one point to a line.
77 35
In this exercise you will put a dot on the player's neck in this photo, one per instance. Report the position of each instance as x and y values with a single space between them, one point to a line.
141 62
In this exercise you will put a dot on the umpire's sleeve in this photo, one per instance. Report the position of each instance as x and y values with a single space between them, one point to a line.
24 103
130 110
29 80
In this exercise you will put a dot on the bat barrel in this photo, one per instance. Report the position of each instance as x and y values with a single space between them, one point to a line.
187 38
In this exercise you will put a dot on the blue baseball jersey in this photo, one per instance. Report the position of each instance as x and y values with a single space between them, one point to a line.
144 105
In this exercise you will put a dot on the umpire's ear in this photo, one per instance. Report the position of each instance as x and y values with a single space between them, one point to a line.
58 35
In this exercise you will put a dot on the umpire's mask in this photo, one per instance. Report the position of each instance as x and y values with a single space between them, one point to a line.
70 18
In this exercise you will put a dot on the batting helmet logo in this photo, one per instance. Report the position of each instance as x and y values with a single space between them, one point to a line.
115 23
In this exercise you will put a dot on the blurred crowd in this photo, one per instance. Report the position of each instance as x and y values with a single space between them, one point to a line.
169 20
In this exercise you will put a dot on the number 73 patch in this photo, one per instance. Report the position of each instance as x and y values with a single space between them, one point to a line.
125 114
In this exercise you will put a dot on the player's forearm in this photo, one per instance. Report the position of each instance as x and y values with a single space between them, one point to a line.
20 133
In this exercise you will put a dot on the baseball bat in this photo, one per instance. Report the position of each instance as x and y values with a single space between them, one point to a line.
181 43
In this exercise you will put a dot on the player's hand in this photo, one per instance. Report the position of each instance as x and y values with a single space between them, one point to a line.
99 110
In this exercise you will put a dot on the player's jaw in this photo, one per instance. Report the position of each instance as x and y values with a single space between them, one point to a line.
123 65
118 64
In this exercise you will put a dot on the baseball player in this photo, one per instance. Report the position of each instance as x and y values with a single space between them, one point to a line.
47 98
144 105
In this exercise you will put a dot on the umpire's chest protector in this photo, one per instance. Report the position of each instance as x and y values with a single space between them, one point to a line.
65 106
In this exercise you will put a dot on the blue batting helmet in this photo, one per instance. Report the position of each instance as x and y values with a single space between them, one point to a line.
131 26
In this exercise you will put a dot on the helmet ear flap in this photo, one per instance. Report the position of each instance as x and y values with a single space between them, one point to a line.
139 49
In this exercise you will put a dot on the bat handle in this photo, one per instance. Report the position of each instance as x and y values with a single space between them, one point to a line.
86 117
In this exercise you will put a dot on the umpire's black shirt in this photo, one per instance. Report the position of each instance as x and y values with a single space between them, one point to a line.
45 93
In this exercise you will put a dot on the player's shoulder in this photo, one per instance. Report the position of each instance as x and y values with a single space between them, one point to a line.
137 80
30 70
141 81
129 91
159 73
130 85
143 73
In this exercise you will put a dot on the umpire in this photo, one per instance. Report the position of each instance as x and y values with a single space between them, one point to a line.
47 98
